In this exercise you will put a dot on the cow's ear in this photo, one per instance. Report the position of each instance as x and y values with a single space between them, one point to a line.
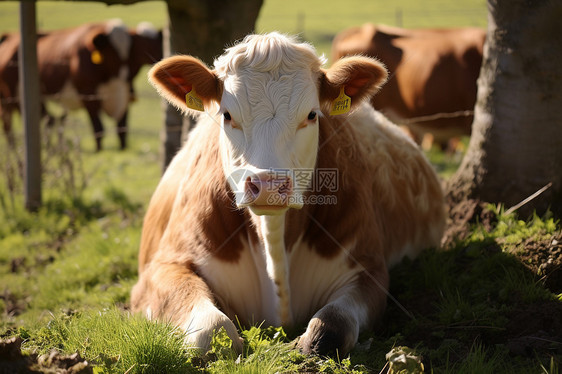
186 83
100 41
356 77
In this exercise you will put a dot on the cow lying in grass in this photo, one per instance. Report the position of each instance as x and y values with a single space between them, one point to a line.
275 210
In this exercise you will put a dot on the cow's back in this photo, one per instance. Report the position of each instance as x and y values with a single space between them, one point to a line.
407 197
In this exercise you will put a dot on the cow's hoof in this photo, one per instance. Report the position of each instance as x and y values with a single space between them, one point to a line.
329 333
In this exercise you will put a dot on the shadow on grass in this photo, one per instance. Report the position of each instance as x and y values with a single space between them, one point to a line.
469 298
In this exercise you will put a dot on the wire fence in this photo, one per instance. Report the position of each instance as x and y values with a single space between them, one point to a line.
321 26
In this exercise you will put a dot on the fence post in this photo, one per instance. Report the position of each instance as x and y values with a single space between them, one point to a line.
399 19
300 24
30 107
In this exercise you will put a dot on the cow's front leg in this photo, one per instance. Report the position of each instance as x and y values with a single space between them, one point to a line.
93 108
206 319
173 293
335 327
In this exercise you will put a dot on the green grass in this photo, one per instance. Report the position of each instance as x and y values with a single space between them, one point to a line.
116 342
67 270
58 14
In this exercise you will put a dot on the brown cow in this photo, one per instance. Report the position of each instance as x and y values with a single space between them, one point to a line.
433 73
279 209
90 66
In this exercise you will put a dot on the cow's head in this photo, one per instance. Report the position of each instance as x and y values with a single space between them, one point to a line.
146 47
108 47
269 91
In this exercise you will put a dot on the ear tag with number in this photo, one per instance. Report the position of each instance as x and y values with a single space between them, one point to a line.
96 57
342 104
193 101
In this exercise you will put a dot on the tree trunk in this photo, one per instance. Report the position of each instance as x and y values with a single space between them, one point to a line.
203 28
516 143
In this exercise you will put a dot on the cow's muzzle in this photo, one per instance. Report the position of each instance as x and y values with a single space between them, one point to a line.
267 192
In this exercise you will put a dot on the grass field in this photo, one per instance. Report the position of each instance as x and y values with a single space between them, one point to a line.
316 20
482 306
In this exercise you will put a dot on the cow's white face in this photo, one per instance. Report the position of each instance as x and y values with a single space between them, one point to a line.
269 137
269 91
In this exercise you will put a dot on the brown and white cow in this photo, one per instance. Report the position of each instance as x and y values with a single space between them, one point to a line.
275 210
433 74
91 66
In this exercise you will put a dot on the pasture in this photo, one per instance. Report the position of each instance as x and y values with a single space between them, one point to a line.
490 303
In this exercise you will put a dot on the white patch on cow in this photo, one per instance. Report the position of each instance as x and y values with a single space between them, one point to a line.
115 97
147 30
273 231
252 293
68 97
262 287
325 278
119 37
313 281
203 320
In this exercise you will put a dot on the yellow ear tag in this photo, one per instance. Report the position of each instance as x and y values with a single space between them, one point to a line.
193 101
342 104
96 57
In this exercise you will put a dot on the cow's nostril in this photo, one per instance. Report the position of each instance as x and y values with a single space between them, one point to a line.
252 187
262 189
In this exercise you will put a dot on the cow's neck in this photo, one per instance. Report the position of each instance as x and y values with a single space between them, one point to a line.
272 230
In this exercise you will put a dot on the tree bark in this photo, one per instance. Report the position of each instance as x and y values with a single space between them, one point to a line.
516 143
203 28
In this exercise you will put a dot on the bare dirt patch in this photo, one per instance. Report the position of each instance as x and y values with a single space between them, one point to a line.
544 258
12 360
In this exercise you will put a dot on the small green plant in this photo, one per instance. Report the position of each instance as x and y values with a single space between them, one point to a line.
264 352
404 360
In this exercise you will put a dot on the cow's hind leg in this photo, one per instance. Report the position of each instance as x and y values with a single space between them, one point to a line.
122 130
173 293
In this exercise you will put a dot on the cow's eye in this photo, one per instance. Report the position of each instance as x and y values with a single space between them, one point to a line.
312 116
227 116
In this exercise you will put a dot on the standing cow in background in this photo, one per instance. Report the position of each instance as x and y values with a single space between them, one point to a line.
277 208
433 73
91 66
